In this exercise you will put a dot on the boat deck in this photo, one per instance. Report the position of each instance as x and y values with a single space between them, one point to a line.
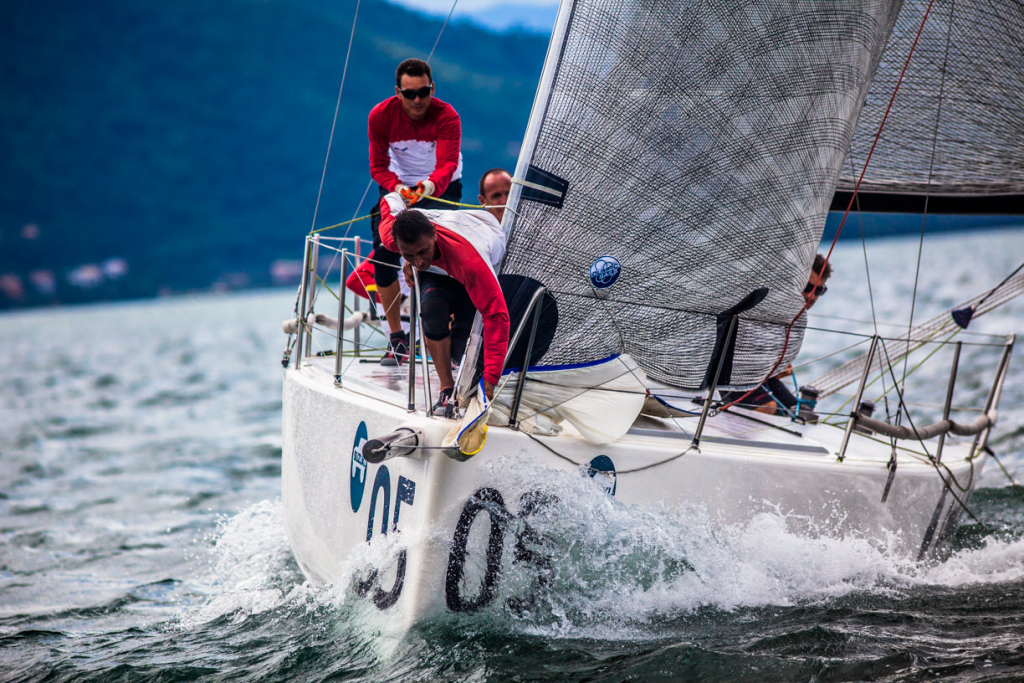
736 428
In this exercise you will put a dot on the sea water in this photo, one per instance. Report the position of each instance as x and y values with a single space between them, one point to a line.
141 532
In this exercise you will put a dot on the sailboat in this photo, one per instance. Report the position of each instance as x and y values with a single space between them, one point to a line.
670 196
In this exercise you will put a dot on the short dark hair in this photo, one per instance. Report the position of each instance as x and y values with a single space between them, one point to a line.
487 173
409 226
822 267
412 67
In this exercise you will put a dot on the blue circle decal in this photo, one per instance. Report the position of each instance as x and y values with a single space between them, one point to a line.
605 271
357 475
602 470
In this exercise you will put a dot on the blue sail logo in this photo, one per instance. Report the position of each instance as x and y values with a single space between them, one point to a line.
604 271
357 474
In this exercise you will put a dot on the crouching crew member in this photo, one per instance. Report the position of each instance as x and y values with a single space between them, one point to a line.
457 254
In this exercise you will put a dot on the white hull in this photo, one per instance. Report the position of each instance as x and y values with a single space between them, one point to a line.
333 500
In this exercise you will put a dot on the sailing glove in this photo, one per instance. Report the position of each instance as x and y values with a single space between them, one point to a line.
404 192
426 188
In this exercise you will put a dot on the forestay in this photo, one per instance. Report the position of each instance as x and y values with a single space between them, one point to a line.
697 145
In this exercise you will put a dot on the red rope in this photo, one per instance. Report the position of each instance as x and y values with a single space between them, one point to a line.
849 206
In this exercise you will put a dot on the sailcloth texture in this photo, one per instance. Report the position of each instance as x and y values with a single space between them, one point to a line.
677 170
956 126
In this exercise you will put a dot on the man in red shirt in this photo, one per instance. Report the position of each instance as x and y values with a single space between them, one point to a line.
414 146
457 254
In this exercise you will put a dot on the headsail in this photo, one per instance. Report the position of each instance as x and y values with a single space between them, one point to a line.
956 128
680 161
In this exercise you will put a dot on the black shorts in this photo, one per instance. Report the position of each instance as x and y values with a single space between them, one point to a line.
385 261
446 310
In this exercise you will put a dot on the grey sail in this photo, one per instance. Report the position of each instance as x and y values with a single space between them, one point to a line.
956 127
696 145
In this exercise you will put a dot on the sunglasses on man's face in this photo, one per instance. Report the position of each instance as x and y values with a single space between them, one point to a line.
818 291
412 93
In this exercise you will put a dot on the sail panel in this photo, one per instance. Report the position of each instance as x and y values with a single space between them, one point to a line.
700 146
957 135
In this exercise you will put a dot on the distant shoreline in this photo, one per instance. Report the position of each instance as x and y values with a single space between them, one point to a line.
876 227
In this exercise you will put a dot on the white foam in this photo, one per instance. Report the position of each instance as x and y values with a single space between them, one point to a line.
250 569
615 569
998 561
632 566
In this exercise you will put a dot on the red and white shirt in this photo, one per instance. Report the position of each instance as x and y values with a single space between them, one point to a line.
406 151
470 245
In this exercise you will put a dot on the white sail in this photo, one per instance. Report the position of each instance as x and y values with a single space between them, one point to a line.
677 169
956 126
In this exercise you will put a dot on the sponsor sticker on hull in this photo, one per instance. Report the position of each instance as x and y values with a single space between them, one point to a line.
357 475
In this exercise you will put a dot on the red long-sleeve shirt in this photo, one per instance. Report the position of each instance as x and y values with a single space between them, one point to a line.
470 245
406 151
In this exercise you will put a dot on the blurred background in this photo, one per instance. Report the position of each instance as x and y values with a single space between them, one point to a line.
156 148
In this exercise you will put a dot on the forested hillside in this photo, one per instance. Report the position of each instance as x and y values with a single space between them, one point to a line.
172 146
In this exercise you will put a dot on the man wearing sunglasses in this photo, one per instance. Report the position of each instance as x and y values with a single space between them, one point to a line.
768 397
820 272
414 150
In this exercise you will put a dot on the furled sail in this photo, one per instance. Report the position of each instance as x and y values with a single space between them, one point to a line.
677 169
956 128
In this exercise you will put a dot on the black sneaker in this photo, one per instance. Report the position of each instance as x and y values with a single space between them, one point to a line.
445 406
398 350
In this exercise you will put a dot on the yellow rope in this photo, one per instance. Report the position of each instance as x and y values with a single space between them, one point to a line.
340 225
448 201
436 199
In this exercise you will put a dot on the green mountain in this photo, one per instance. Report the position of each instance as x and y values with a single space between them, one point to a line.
187 140
149 147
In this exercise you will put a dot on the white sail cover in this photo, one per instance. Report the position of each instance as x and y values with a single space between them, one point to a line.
680 159
601 400
956 127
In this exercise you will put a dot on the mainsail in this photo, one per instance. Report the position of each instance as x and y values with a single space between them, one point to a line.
677 169
955 127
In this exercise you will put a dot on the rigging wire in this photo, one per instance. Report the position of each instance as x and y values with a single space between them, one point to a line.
849 206
1016 488
927 194
860 179
327 156
867 269
334 123
443 26
337 108
867 273
878 133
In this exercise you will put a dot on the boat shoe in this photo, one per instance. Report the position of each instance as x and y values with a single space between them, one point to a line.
445 405
398 350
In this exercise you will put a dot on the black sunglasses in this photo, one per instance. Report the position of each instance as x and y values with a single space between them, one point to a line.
412 93
821 289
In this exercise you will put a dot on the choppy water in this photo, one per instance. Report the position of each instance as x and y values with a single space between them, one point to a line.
141 534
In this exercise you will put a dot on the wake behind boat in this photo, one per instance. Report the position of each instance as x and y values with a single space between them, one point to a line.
670 196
